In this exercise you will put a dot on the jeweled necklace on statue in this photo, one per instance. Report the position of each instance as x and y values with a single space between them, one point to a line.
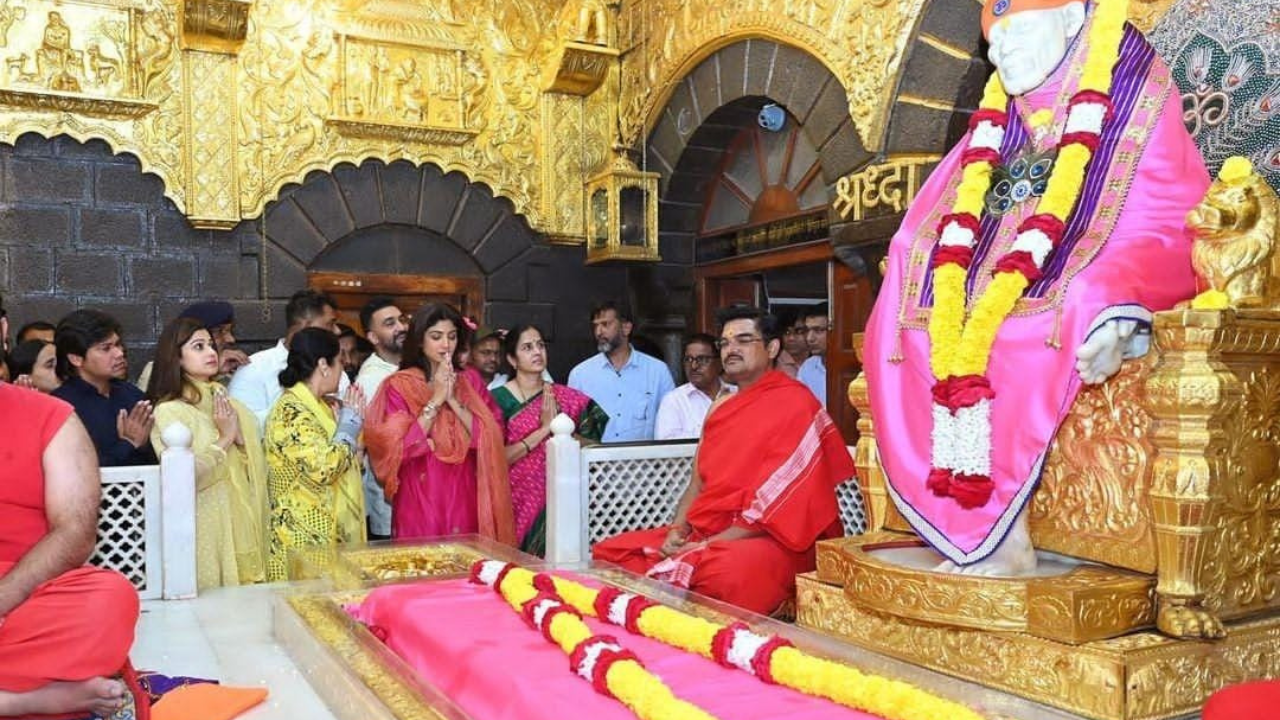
960 347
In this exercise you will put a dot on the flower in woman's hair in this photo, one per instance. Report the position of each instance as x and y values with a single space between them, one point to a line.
471 324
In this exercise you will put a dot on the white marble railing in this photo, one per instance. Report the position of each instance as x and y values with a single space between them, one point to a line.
599 491
147 524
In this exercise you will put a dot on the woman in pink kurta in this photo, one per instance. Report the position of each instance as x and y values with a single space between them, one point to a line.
436 441
1125 255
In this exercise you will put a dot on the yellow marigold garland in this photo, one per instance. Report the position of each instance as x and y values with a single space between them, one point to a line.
960 349
623 677
786 665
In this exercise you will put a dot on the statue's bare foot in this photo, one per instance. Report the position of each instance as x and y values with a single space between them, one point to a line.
1013 557
1191 623
100 696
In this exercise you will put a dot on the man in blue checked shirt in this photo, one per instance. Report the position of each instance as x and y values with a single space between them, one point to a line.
628 384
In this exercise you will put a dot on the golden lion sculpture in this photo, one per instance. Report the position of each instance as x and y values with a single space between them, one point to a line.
1235 245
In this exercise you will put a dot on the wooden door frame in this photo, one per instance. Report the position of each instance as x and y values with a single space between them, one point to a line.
470 287
811 252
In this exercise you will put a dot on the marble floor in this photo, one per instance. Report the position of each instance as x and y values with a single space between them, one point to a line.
226 634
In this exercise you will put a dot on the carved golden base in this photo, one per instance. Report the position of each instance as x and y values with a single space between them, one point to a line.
1085 603
1142 676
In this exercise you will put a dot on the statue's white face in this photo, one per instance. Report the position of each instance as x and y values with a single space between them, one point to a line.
1027 46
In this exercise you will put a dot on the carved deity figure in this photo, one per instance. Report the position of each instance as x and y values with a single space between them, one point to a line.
58 65
1029 264
411 92
1236 236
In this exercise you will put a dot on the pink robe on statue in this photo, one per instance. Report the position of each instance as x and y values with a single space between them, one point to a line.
1131 259
436 498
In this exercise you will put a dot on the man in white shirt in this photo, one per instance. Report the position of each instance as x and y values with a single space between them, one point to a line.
813 372
684 409
624 381
257 384
385 327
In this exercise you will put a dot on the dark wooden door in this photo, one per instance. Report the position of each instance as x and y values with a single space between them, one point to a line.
852 298
716 293
352 291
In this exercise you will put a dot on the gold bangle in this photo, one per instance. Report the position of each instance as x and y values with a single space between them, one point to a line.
525 443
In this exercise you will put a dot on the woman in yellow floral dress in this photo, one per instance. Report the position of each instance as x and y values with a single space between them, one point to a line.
317 499
231 482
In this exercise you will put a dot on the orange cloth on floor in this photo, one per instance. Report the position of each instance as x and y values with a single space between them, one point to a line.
206 701
1246 701
770 460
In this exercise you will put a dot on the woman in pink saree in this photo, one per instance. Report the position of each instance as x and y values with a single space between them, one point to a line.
435 439
528 405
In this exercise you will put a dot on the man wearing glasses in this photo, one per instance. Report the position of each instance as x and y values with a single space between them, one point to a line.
813 372
763 485
684 409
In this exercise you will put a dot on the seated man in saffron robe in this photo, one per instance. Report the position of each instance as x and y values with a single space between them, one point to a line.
763 485
65 628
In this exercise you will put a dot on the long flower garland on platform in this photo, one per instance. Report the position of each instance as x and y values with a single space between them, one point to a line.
960 351
599 659
771 659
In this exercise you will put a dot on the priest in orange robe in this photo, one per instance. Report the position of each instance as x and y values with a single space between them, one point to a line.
763 485
65 629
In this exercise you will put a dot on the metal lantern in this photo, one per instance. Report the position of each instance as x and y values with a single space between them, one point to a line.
622 212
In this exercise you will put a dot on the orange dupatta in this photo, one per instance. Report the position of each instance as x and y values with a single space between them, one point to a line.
385 431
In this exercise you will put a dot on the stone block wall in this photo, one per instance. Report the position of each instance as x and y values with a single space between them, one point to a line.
81 226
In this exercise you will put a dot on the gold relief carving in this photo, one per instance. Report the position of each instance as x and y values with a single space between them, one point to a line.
892 184
75 58
1216 485
581 69
1083 604
860 42
121 54
393 79
398 131
1126 678
211 140
215 25
1092 500
392 84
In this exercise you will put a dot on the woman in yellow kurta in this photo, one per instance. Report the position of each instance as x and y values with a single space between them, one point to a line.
317 496
231 482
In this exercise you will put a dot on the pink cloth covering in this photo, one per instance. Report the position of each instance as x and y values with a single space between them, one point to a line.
465 640
436 498
1144 266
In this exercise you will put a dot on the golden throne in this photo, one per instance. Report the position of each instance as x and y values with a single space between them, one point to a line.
1164 482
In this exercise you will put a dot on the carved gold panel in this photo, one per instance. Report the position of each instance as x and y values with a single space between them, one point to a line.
73 57
580 68
861 42
1085 603
211 140
1142 676
1092 502
1215 489
215 25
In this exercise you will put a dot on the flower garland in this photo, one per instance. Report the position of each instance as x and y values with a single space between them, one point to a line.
770 658
960 350
599 659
